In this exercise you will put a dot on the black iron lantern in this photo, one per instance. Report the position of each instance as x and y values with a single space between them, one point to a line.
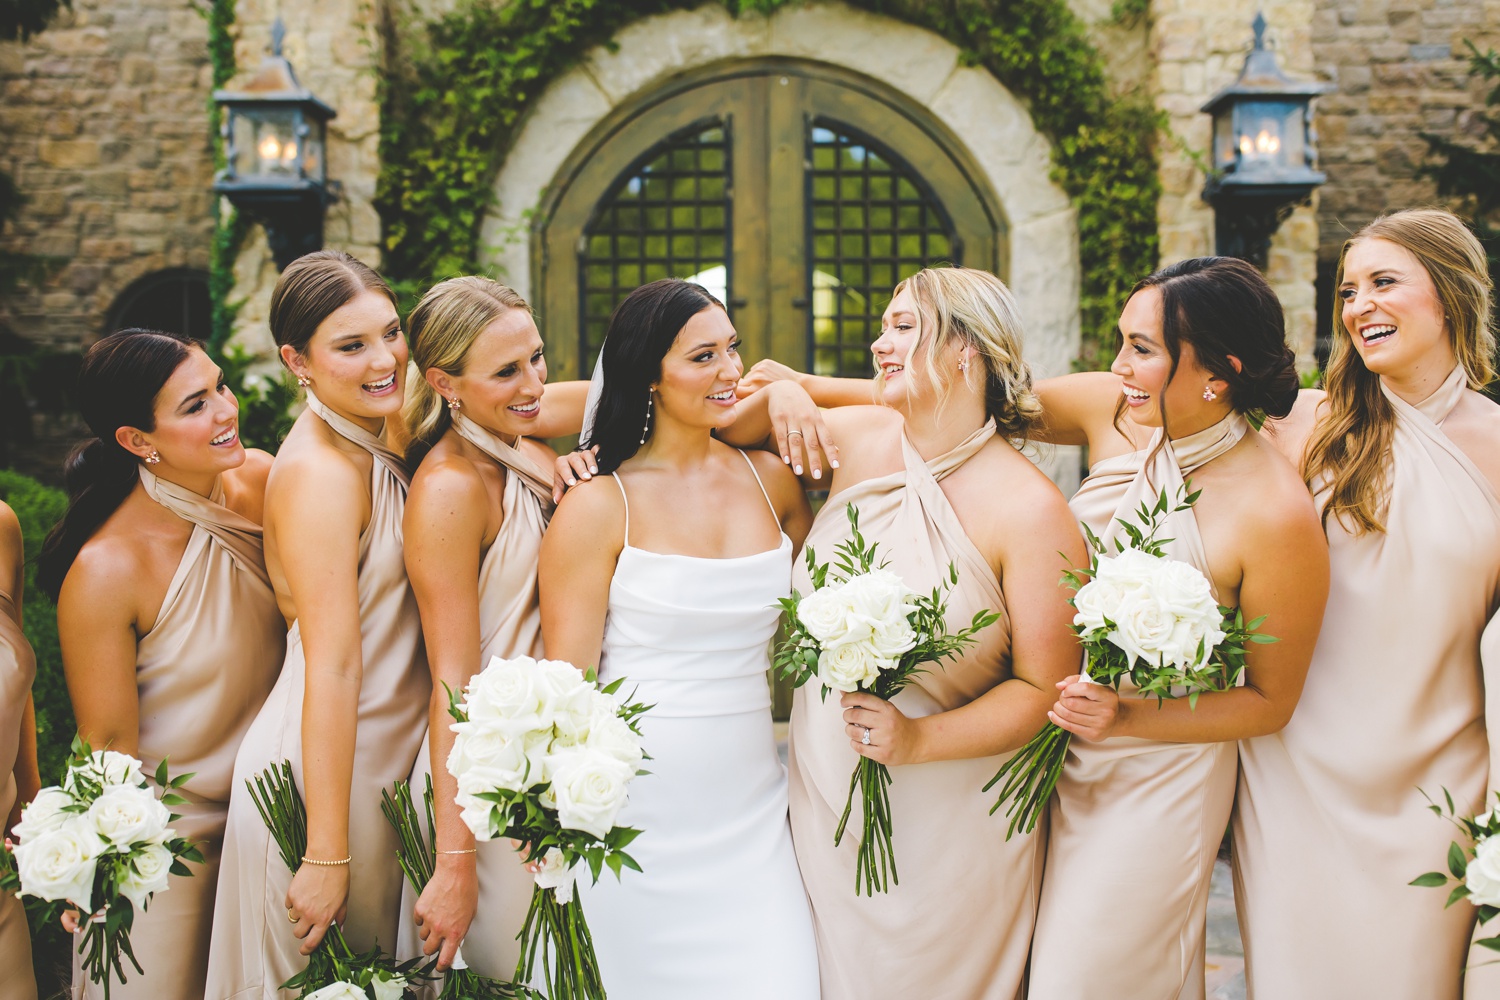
1264 151
275 132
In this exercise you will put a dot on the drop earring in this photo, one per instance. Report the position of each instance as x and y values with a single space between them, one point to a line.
963 365
646 430
154 457
1209 394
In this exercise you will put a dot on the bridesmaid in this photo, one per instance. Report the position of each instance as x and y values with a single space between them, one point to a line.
354 656
479 502
1403 456
170 635
937 477
19 780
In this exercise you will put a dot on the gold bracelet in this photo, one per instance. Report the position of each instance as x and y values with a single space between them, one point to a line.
327 864
470 850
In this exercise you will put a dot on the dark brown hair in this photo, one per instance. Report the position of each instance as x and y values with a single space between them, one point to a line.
312 288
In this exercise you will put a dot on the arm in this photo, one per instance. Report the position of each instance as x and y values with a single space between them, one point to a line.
12 563
579 552
784 413
1041 534
444 528
826 392
562 409
318 545
1078 408
96 628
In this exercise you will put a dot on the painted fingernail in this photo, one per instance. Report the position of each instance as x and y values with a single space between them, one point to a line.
797 469
592 469
572 482
817 473
834 462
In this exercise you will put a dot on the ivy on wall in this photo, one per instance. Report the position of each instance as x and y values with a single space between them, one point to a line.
454 96
229 227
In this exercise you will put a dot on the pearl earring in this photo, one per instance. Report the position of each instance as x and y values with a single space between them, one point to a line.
646 430
154 457
304 381
454 404
1209 394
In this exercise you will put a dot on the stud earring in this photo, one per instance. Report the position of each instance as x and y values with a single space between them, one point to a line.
646 430
454 404
963 365
154 457
1209 394
304 381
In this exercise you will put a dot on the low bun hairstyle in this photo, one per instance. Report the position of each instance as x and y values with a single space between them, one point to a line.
118 383
313 287
1224 307
640 333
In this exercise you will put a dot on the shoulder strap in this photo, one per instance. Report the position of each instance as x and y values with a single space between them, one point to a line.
616 477
774 516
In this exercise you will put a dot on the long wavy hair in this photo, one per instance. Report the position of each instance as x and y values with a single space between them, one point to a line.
441 330
640 334
1349 453
118 382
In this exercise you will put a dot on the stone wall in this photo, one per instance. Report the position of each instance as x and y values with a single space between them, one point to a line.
105 131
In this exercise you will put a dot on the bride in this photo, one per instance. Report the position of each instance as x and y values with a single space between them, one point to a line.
665 569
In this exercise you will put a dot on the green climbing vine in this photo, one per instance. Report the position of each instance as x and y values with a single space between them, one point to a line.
459 85
229 227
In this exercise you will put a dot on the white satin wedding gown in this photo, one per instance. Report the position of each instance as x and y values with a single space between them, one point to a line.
719 909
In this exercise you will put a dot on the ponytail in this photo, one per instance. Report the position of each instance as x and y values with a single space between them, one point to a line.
118 383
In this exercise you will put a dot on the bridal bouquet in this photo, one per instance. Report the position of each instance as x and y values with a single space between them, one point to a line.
101 844
417 857
1141 617
863 629
334 970
545 756
1476 870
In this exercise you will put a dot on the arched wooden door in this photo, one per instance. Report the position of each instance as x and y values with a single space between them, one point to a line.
798 193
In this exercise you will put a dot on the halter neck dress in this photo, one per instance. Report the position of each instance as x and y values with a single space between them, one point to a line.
718 910
1330 826
1135 823
202 673
959 922
17 671
510 624
253 950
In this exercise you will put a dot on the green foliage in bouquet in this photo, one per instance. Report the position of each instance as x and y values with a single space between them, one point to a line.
417 856
1474 870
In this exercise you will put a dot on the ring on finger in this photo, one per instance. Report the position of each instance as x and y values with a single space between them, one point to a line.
291 916
865 737
798 433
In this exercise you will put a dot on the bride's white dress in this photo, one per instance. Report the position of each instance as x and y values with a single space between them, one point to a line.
719 910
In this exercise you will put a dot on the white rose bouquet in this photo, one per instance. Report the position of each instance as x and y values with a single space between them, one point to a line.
545 756
334 970
1140 617
100 843
1477 870
863 629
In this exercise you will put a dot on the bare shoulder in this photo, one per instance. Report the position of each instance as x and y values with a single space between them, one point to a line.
12 549
446 479
596 505
849 423
1474 426
245 487
313 467
1278 500
1028 499
780 482
539 452
105 573
1290 434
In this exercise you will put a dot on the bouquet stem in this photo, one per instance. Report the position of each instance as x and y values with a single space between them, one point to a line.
875 864
1030 777
558 933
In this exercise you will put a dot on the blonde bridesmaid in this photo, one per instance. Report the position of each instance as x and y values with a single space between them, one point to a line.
1403 456
350 705
937 477
19 780
480 500
170 635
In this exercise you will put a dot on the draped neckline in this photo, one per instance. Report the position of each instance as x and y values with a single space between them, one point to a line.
940 467
239 535
509 457
350 431
1426 418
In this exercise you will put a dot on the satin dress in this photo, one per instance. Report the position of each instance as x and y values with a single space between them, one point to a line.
958 924
718 909
510 624
1136 823
17 671
202 673
1330 826
253 950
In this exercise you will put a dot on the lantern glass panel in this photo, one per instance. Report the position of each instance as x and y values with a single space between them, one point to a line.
266 143
313 164
1225 153
1269 135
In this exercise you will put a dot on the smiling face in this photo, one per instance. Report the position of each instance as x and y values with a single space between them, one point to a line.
356 359
1391 310
502 382
197 423
700 371
1145 366
901 356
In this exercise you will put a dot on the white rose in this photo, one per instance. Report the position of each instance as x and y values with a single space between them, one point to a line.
552 872
847 666
879 596
338 991
108 768
511 694
1096 601
1142 626
610 734
892 639
392 988
59 864
1483 874
45 813
477 814
146 873
125 815
1128 569
589 787
482 745
825 614
572 700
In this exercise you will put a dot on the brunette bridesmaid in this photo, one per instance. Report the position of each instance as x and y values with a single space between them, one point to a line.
480 500
170 635
350 705
1403 456
938 479
19 780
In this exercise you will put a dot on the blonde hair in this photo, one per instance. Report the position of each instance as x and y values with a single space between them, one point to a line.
442 329
1351 444
974 309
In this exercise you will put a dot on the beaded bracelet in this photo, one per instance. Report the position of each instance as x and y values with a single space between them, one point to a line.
327 864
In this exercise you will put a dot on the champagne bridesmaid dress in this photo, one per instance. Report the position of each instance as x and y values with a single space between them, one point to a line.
17 670
1329 826
510 624
202 672
958 924
253 949
1136 823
